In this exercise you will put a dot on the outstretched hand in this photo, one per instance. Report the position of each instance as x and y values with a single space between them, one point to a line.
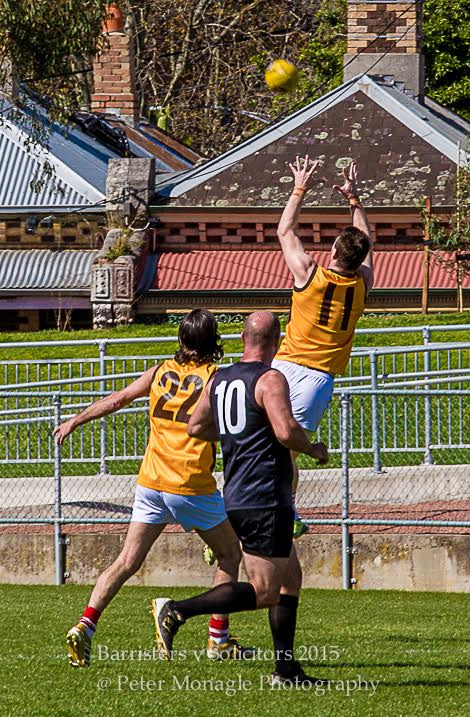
349 188
64 430
302 173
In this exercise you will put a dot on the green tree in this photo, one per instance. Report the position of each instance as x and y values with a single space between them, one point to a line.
46 53
46 48
447 49
451 239
205 61
320 59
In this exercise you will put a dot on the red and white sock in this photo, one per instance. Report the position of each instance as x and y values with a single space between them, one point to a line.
218 630
90 619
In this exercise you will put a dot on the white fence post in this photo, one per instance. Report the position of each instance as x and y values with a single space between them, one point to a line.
375 414
345 536
103 465
428 459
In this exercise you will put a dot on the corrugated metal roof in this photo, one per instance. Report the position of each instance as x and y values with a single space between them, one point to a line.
222 270
80 161
42 269
266 269
18 167
82 153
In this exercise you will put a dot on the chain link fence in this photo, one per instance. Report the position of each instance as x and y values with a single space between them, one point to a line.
398 431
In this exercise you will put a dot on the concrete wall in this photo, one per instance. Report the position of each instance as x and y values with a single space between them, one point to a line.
400 562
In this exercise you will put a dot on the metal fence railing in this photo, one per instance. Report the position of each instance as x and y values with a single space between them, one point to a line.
115 444
121 356
400 457
398 432
428 496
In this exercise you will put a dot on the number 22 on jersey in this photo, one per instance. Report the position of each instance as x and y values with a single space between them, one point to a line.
173 384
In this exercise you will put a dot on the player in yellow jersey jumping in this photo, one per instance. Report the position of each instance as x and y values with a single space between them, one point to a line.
175 483
326 304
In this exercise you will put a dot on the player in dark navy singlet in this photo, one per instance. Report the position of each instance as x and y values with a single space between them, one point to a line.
257 468
247 406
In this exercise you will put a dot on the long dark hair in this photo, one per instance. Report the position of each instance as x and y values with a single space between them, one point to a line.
199 338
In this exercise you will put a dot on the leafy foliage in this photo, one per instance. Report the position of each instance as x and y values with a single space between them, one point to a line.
46 51
210 56
124 245
451 241
47 44
203 62
447 49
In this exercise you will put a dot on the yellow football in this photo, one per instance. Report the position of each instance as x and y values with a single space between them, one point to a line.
281 76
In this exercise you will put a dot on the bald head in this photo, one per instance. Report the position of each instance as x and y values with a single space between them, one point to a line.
261 332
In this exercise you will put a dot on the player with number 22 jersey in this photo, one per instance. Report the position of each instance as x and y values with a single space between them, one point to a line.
175 483
174 462
247 406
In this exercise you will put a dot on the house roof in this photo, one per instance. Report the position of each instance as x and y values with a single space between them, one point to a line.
173 154
41 270
45 270
404 150
80 156
266 269
79 166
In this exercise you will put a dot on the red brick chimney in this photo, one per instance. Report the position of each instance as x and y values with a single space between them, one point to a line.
114 71
393 26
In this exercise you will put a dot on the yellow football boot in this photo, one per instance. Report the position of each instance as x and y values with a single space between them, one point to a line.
79 646
209 555
230 650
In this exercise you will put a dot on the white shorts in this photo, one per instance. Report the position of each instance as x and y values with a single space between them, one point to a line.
310 392
190 511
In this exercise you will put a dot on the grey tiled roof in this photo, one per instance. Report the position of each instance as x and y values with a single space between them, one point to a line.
404 151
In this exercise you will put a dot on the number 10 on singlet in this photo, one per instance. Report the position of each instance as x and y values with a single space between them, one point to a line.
231 405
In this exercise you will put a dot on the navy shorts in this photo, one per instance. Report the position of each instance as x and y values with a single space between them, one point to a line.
266 532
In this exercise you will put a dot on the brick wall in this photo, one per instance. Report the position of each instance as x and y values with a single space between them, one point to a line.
65 234
385 22
114 79
390 235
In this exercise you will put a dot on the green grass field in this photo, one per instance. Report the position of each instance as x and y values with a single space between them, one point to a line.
368 321
412 650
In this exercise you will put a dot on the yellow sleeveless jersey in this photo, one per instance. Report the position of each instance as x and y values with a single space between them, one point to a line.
323 318
174 462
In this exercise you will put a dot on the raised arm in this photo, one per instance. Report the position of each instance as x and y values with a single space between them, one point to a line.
201 424
299 262
272 393
109 404
359 218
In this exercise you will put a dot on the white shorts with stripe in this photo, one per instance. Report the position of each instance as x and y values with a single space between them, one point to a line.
310 392
201 512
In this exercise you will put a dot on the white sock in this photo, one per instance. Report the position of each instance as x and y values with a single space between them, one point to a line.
90 626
